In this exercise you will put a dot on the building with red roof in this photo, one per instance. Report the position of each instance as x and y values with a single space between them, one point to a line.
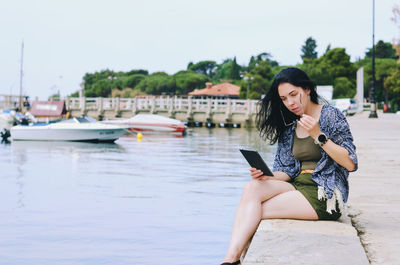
224 90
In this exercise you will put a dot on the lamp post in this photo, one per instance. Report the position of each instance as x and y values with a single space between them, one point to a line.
82 85
373 113
248 80
111 78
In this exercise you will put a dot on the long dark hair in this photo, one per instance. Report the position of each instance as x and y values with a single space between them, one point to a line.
269 119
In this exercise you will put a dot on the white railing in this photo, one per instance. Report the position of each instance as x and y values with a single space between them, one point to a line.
9 101
162 103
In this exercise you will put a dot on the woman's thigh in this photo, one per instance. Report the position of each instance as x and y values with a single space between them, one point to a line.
291 204
266 189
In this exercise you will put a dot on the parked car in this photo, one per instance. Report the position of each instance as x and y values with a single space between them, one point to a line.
347 106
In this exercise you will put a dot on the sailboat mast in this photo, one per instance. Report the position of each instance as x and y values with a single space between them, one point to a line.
21 76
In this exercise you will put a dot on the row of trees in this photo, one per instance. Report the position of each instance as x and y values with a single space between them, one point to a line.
139 82
333 67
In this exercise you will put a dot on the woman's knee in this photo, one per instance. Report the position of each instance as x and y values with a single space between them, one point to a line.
252 189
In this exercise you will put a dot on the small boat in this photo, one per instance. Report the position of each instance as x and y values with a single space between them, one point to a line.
150 123
83 129
7 119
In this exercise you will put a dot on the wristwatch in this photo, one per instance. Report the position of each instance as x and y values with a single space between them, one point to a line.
321 139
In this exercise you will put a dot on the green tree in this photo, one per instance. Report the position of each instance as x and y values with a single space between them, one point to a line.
383 69
265 56
308 49
262 78
90 79
252 64
133 80
392 81
382 50
157 83
187 81
328 48
234 72
334 63
204 67
137 72
264 70
75 94
392 85
101 88
223 70
100 83
343 88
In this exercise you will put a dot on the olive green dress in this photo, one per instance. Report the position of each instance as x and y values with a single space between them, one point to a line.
309 153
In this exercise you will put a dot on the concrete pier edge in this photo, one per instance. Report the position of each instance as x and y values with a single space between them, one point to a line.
287 241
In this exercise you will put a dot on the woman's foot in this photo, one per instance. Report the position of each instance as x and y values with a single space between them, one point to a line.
231 263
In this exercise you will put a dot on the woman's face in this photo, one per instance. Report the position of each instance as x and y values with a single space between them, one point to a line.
293 97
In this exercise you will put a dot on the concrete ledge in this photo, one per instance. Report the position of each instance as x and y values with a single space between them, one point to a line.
285 241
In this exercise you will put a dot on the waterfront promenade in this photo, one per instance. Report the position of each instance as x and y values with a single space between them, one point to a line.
374 208
374 189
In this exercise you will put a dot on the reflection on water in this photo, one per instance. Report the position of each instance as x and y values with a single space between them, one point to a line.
64 146
163 199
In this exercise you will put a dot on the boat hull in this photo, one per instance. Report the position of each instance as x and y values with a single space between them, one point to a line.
150 123
148 127
41 133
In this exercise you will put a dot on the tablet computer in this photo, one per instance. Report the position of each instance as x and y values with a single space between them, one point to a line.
256 161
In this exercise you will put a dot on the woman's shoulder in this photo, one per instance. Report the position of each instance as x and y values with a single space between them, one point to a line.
331 118
331 113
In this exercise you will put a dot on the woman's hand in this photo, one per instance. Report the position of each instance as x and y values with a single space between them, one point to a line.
258 174
338 153
310 125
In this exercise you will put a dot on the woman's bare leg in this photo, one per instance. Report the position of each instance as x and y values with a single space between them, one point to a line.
291 204
249 212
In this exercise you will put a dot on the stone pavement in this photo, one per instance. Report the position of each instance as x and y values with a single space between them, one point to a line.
375 187
374 208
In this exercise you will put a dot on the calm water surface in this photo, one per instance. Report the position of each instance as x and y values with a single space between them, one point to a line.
165 200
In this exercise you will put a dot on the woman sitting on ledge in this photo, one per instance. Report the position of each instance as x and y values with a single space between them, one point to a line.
314 156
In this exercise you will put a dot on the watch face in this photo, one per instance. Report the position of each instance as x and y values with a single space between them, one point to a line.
322 138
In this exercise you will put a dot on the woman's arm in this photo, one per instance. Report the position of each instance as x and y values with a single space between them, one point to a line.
278 175
338 153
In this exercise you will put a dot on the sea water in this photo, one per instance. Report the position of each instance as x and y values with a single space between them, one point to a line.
164 200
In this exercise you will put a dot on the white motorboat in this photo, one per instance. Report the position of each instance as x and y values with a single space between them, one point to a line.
75 129
7 119
150 123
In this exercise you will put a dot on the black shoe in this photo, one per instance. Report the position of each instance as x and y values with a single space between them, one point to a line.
231 263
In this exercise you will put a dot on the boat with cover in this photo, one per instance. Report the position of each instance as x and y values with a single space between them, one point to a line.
150 123
84 129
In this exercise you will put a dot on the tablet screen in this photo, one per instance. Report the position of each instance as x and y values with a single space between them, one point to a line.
255 160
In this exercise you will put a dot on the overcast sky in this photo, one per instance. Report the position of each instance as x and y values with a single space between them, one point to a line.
64 39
